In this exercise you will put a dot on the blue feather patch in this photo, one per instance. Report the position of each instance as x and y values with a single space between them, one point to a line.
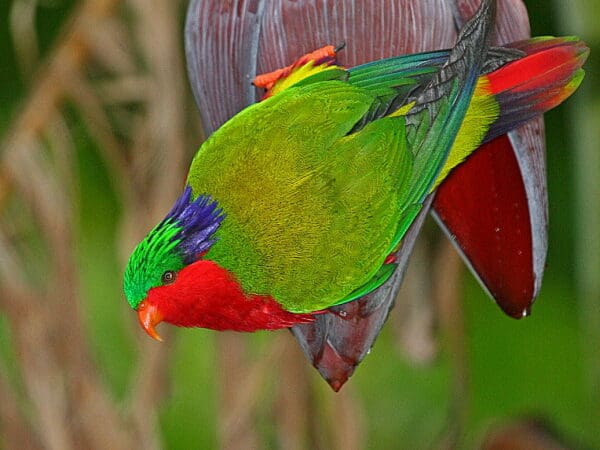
197 221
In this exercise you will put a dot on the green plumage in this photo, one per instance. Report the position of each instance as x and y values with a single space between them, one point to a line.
311 211
153 256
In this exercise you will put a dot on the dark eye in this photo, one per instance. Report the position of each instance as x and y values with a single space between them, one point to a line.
168 277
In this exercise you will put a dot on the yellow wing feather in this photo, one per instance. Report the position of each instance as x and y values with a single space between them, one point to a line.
482 112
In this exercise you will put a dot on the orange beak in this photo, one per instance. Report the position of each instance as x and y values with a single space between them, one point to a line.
149 316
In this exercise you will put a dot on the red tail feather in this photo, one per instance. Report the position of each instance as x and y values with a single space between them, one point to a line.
548 74
546 67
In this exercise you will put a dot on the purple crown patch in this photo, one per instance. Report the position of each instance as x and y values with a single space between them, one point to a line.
197 221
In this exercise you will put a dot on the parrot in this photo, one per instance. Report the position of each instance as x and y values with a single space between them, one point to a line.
299 202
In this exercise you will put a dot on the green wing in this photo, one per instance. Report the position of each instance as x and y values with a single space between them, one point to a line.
311 210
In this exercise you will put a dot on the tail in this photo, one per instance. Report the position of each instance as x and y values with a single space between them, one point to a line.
548 73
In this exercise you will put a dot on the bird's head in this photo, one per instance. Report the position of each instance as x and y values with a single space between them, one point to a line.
162 274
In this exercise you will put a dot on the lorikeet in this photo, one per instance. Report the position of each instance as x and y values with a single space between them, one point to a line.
295 204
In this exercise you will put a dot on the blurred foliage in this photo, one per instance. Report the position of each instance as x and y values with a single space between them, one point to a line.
536 367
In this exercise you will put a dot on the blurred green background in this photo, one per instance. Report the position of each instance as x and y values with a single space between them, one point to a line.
545 367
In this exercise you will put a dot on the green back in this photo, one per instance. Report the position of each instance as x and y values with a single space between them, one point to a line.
312 211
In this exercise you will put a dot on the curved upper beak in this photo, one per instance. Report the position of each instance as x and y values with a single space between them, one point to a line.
149 316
